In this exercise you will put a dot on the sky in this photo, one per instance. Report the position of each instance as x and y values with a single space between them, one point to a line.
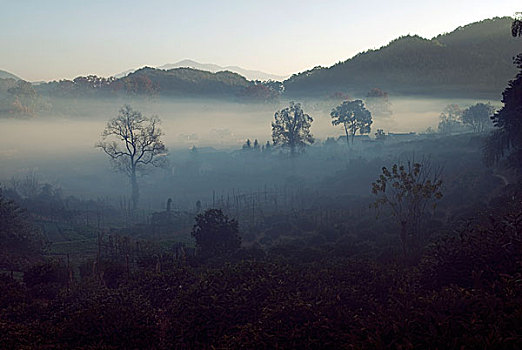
53 40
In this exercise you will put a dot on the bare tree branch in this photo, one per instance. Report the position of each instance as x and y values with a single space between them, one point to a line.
132 142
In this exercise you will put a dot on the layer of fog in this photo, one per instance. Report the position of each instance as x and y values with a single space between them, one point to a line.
60 148
195 123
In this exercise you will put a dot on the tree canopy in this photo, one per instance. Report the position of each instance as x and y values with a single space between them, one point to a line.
216 234
291 128
354 116
478 116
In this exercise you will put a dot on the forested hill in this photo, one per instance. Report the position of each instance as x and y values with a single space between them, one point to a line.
472 61
151 81
7 75
186 81
21 98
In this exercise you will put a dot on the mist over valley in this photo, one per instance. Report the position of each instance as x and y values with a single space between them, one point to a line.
370 204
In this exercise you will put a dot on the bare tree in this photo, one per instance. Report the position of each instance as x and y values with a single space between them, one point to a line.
133 144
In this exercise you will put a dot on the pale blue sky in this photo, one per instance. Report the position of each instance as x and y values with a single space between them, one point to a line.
46 40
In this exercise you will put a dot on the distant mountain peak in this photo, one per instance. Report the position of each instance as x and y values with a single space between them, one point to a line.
247 73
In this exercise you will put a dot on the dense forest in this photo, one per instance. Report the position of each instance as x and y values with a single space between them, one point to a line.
367 240
473 60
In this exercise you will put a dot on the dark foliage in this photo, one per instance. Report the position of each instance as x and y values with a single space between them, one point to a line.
506 139
46 279
216 235
151 82
291 128
465 293
478 116
516 26
353 116
20 242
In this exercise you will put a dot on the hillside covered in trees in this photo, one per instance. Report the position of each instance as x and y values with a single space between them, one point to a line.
474 60
150 82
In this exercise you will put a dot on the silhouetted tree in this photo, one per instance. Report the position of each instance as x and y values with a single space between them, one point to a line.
380 135
516 26
478 116
506 139
215 233
267 147
353 116
407 190
133 143
247 145
291 128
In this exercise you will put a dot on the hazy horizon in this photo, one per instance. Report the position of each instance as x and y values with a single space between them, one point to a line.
62 40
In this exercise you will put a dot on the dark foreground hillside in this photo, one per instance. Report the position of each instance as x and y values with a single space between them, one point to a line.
463 292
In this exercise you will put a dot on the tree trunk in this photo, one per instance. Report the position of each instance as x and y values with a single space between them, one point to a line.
135 190
292 150
404 237
346 131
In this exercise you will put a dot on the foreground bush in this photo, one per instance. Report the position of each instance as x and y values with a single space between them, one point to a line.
466 292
